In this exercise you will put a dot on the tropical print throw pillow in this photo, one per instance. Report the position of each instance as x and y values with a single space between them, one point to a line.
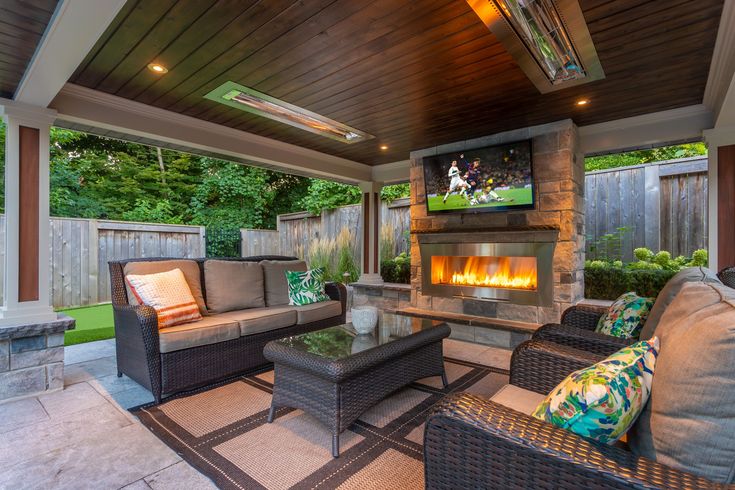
307 287
603 401
626 316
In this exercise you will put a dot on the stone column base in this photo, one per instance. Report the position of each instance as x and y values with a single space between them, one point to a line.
32 358
375 279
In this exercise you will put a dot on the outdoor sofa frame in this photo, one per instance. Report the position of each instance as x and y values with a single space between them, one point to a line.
137 342
472 442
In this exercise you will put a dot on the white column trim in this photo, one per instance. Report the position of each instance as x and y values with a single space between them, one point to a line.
392 173
12 311
715 138
70 35
372 248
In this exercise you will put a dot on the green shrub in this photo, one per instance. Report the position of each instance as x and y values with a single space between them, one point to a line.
699 258
609 282
397 270
643 254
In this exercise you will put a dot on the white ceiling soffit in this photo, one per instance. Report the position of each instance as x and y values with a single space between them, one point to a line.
722 67
82 106
73 30
645 131
575 26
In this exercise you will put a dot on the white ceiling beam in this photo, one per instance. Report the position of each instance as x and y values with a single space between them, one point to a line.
392 173
722 66
87 107
647 130
72 32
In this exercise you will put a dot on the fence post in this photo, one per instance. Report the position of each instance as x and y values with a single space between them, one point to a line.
93 258
202 241
652 207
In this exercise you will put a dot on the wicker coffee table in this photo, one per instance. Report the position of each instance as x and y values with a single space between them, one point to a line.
335 374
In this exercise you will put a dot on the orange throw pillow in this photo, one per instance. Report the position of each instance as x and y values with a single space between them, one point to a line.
168 293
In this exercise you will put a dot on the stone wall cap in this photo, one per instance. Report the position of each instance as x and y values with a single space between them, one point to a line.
61 324
390 286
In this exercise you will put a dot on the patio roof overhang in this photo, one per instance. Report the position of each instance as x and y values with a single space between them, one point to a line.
413 79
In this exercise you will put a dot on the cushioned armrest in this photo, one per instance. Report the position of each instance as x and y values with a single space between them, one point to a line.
539 366
471 442
581 339
583 316
341 369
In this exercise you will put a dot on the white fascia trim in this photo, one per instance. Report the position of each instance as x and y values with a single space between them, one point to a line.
72 32
392 173
31 114
722 66
82 105
681 124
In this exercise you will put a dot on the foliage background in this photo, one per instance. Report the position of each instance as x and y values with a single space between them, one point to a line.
101 178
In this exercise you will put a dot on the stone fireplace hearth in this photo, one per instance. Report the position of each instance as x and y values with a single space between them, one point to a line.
558 220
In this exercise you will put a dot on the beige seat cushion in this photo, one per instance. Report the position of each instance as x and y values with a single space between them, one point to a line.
317 311
208 330
259 320
233 285
190 269
276 286
669 292
518 399
689 421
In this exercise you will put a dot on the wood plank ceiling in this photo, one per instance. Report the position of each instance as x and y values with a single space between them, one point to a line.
414 74
22 24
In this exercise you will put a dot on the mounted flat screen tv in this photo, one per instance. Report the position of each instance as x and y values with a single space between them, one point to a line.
494 178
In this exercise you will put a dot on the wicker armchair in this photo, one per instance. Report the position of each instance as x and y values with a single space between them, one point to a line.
473 442
727 276
577 329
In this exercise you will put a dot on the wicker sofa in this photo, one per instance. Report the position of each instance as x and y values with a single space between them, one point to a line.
219 346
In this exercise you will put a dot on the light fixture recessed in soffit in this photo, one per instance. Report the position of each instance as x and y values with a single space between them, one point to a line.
548 39
250 100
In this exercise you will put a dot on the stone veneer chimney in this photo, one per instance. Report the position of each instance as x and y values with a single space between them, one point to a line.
558 171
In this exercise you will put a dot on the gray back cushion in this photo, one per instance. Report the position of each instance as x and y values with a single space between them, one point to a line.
233 285
190 268
276 286
667 294
689 420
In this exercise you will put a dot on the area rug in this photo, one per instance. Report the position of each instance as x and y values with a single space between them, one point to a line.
222 431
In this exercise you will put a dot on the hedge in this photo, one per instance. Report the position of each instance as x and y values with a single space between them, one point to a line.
610 282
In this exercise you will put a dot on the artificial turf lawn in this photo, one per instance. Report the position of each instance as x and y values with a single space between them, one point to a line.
93 323
520 196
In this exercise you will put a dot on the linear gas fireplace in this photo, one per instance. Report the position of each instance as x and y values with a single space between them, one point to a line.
515 272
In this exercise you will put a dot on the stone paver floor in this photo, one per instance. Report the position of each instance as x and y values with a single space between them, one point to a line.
84 436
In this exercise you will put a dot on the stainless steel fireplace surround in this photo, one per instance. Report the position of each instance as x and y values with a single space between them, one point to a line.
463 245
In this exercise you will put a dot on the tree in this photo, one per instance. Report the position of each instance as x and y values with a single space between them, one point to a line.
644 156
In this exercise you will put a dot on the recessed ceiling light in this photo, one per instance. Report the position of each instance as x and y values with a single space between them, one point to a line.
583 102
156 68
250 100
383 147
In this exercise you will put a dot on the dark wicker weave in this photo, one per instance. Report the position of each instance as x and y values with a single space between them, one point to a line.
727 276
337 392
471 442
139 356
577 330
539 366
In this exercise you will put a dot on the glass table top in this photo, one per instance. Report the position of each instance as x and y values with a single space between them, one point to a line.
342 341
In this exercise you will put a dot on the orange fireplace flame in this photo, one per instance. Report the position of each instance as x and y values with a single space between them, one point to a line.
492 272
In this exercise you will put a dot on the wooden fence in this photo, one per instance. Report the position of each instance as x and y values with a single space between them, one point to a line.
296 231
662 206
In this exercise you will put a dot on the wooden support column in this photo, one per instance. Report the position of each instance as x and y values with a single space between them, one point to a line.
26 296
370 233
726 206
